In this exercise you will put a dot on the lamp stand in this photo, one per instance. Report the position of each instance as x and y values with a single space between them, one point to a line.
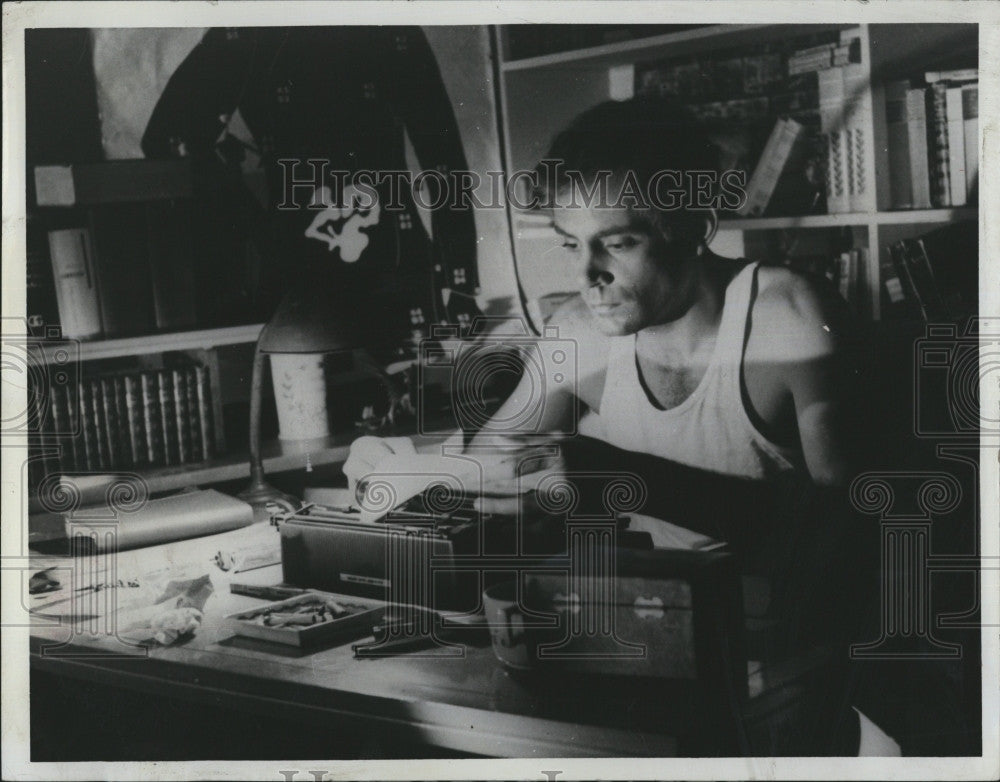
260 494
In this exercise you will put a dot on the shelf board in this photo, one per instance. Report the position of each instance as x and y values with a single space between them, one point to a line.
157 343
927 215
277 457
532 225
680 43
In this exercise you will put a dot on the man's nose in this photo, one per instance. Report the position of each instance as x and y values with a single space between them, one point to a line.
593 270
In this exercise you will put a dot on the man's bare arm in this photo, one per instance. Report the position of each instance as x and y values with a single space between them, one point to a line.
809 330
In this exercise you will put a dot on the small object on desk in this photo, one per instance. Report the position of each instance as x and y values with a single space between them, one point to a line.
307 619
240 563
173 518
266 592
42 582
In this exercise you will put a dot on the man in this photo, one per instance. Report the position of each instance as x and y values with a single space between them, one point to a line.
721 383
717 364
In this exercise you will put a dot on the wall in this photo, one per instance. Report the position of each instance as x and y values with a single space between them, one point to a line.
133 65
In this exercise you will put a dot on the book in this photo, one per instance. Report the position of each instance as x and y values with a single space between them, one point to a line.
171 257
76 440
87 427
112 428
151 423
898 139
181 414
41 305
122 269
858 141
121 409
132 393
193 417
970 120
897 251
832 108
205 419
100 425
916 126
168 416
776 159
72 256
953 76
937 145
956 145
59 422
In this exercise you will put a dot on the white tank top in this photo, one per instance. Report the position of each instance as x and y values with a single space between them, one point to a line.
710 429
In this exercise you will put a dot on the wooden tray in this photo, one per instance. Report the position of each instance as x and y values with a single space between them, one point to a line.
358 623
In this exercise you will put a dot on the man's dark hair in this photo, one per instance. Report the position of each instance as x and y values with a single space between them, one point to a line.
642 137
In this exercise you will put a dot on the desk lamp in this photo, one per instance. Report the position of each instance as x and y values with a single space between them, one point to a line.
310 319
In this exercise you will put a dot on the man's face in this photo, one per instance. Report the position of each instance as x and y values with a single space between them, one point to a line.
623 268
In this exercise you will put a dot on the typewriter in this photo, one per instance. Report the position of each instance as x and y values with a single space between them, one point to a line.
419 553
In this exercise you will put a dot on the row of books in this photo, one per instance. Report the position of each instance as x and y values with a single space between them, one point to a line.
125 420
932 277
731 74
790 108
127 271
933 133
828 55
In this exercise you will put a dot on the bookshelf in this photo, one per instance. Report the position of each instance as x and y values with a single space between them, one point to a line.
540 95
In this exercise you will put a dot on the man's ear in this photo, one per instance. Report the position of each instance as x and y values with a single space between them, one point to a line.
711 218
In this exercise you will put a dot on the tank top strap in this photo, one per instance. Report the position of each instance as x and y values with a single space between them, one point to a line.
732 328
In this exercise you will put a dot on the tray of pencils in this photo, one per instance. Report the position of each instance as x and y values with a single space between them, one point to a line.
307 619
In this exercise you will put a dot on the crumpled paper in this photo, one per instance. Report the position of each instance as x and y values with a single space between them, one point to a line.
174 616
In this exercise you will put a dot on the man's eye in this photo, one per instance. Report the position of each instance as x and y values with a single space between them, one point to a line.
622 243
570 246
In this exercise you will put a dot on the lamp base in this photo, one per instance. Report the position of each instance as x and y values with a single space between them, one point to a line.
267 500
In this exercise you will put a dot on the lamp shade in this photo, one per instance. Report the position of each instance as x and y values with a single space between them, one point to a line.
313 318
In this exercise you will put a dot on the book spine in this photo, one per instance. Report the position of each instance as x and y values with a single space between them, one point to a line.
956 145
904 264
193 425
59 416
898 139
121 409
168 416
42 306
171 262
772 164
831 108
205 423
122 269
963 74
71 253
87 428
916 124
151 424
76 440
937 145
100 425
893 293
181 415
970 120
844 281
134 415
112 426
918 257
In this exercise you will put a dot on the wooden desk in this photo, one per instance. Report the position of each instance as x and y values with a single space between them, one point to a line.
468 704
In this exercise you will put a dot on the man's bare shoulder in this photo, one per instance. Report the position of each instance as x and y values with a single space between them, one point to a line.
797 314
